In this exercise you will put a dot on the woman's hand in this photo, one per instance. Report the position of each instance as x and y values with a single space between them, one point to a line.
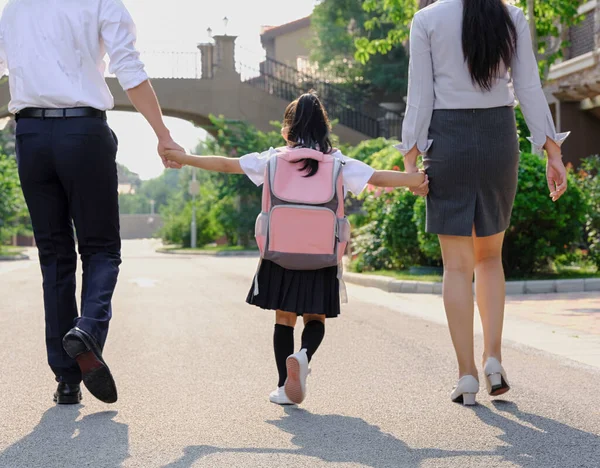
556 175
410 167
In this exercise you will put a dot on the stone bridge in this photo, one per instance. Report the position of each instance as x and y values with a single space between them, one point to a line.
220 90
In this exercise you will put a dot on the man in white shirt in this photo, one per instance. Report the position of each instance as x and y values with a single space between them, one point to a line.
54 52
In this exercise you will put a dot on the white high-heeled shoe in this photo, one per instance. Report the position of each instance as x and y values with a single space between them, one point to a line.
465 391
495 377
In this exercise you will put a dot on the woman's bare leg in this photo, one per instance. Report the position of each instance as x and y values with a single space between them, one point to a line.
459 263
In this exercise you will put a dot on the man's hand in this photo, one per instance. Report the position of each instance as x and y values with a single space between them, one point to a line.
165 144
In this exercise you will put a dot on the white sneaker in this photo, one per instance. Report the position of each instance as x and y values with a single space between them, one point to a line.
279 397
465 391
297 369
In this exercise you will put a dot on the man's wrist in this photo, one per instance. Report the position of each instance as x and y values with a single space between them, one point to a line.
164 134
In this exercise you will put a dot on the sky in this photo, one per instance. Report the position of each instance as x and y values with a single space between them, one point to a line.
178 26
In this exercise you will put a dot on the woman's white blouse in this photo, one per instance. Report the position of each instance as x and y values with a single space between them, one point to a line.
356 174
439 77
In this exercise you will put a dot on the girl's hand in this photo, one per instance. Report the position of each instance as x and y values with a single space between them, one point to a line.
175 155
556 175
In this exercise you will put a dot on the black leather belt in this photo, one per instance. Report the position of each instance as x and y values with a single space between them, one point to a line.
75 112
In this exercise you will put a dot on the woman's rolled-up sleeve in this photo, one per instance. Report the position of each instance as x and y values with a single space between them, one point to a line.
420 100
528 88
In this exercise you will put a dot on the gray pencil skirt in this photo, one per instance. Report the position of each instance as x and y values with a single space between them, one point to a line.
473 169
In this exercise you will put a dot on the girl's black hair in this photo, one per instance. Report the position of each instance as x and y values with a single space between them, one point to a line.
489 39
308 126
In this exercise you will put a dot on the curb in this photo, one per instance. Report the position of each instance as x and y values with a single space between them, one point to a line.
513 288
200 253
14 258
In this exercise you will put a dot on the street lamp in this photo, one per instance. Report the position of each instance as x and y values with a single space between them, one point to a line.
225 23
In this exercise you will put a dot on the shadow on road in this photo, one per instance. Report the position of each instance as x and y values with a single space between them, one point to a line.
333 438
61 440
534 441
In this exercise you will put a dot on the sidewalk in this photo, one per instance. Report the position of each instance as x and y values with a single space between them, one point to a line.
566 325
574 311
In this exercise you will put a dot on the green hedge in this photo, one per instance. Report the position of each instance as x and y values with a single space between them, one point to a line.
589 177
540 229
394 237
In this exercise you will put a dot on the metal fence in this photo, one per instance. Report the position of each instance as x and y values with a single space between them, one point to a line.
347 107
582 36
163 64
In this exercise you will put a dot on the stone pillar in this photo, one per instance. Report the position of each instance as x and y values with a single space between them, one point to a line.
225 56
207 51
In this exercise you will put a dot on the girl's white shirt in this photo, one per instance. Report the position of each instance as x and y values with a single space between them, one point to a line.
356 174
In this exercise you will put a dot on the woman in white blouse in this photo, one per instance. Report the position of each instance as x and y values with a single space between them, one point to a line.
464 55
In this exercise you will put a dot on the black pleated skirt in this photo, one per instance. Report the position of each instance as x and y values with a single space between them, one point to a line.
473 168
299 291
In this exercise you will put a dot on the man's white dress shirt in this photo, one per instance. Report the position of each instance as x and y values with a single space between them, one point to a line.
54 52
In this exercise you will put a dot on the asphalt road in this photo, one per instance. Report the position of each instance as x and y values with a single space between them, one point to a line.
194 367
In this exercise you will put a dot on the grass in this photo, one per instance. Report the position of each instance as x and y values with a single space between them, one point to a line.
564 272
10 251
210 248
405 275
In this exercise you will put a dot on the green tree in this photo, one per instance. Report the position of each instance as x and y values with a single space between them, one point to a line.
551 18
239 199
589 178
12 204
127 177
14 218
338 24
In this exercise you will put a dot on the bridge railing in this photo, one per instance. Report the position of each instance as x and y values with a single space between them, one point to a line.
164 64
350 107
347 107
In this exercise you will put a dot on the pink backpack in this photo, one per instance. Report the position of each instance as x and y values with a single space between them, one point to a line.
302 224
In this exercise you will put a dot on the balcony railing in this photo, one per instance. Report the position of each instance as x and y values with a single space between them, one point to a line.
582 36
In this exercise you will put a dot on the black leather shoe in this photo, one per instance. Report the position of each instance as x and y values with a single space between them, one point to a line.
96 375
67 394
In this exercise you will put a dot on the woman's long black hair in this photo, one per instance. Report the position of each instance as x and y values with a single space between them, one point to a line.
308 126
489 39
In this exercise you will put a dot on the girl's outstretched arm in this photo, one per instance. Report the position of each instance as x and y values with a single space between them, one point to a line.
396 179
208 163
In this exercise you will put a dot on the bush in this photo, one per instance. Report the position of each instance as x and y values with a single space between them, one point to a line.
177 226
389 239
589 177
366 150
541 229
429 244
12 204
243 198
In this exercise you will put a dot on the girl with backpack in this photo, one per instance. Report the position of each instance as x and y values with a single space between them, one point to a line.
301 232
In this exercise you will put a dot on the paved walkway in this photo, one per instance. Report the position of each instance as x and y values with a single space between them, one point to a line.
194 367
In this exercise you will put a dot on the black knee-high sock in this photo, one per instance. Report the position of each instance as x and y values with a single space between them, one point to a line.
283 344
312 336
